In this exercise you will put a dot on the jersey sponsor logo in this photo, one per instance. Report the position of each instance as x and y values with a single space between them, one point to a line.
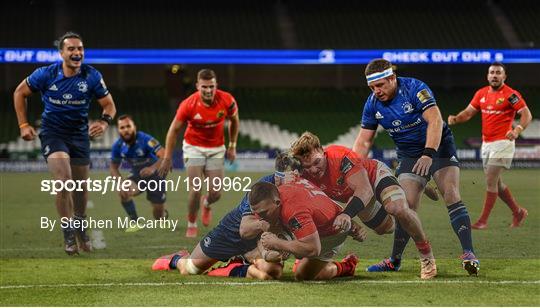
152 143
378 116
513 99
396 122
83 86
499 101
197 117
53 88
294 224
67 96
483 99
407 107
220 114
423 96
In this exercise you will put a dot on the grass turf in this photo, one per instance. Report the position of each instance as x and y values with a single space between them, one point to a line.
35 271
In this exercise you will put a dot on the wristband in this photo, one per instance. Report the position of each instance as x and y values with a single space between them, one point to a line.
25 124
429 152
106 118
232 144
354 207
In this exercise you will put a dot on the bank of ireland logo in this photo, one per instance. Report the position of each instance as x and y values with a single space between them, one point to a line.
407 107
396 122
83 86
207 241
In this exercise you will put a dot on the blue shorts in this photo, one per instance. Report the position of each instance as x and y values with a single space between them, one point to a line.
222 244
76 146
158 195
445 156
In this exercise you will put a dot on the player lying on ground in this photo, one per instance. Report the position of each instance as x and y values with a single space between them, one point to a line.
363 184
143 153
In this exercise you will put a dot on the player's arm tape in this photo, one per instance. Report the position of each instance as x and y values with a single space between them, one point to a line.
354 207
393 195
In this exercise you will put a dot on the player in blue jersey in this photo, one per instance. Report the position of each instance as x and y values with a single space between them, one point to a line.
67 88
143 153
407 110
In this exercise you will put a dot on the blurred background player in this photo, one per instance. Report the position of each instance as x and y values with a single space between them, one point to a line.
67 88
364 185
406 109
499 104
143 153
204 113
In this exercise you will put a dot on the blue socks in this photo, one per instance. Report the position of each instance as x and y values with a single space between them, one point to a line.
461 223
130 209
401 238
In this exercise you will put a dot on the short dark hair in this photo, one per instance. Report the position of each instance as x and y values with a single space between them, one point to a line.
500 64
286 162
377 66
123 117
60 42
206 74
262 191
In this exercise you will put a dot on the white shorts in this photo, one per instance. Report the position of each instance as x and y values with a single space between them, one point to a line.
498 153
210 158
330 246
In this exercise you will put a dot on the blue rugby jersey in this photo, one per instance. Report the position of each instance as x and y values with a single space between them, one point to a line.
66 100
402 117
140 154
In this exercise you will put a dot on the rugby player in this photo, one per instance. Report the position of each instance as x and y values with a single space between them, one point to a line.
204 114
406 109
363 184
499 105
67 88
142 152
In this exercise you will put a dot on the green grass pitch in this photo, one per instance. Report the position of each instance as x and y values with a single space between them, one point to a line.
34 270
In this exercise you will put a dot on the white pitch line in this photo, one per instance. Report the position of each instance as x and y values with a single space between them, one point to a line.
255 283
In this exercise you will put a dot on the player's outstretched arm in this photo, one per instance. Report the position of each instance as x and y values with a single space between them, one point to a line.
19 102
464 116
170 143
308 246
363 142
234 127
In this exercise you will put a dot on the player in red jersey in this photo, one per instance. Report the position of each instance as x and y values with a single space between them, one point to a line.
204 113
309 214
498 104
360 183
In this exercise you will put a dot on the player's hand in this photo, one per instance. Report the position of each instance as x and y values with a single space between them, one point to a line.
147 171
97 128
452 120
231 154
512 134
422 165
164 167
28 133
342 223
264 225
269 240
357 232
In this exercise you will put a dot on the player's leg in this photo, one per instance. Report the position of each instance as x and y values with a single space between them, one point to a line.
393 198
447 179
194 171
214 171
126 198
309 269
492 173
157 196
260 269
80 199
519 213
375 217
59 167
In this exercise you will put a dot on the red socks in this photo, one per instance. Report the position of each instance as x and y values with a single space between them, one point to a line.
507 197
489 202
